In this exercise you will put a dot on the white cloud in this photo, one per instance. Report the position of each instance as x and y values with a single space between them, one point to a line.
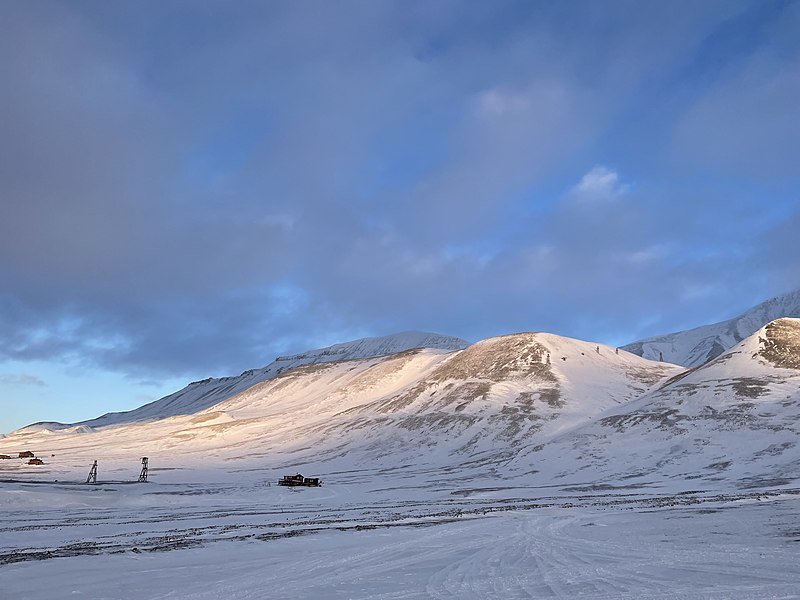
600 183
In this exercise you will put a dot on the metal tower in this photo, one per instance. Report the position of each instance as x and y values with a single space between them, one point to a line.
143 474
92 478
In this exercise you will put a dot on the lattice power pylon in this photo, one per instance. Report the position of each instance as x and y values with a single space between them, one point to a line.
92 478
143 474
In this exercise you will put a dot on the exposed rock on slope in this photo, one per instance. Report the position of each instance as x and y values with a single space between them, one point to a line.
697 346
780 344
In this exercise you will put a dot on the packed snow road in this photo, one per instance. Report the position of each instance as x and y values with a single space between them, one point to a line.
216 541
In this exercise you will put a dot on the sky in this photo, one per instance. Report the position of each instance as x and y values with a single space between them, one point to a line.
190 189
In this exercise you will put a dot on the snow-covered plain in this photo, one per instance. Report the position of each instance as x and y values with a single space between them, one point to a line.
525 466
360 537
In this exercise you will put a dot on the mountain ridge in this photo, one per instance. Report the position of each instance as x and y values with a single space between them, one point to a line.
733 418
483 403
696 346
204 393
534 408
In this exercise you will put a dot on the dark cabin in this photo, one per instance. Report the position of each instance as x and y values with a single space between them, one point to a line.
291 480
295 480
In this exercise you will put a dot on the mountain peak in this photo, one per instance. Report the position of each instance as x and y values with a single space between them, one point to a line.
379 346
694 347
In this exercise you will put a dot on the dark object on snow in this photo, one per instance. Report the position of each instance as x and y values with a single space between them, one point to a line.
295 480
143 474
291 480
92 478
26 454
5 457
36 461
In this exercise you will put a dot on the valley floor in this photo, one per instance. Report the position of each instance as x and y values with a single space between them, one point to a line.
362 538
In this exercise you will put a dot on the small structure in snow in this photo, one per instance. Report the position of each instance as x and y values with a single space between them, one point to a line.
26 454
295 480
143 474
5 457
36 461
92 478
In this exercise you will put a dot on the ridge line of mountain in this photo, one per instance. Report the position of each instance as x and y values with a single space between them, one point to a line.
689 348
699 345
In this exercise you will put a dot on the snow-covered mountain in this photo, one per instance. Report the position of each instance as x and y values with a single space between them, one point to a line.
374 346
200 395
532 407
697 346
477 406
736 418
591 469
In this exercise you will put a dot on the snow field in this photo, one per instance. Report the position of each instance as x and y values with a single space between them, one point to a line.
213 541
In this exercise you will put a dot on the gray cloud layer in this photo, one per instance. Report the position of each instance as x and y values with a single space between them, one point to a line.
21 379
194 188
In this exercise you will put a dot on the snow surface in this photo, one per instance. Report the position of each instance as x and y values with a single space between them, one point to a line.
350 539
202 394
699 345
734 419
523 466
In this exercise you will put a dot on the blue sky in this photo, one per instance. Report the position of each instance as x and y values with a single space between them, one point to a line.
189 189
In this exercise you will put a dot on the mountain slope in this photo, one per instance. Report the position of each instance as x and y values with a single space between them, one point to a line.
735 418
482 403
696 346
200 395
469 409
532 408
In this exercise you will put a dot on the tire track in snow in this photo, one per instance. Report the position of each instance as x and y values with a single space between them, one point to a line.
541 556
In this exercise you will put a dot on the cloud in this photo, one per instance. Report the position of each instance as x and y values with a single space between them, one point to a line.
21 379
198 189
600 183
746 120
